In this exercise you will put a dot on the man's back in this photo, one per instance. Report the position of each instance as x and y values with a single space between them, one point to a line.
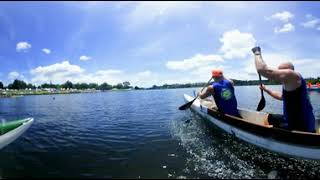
297 109
225 98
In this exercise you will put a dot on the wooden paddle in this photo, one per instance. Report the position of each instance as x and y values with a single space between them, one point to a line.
188 105
262 102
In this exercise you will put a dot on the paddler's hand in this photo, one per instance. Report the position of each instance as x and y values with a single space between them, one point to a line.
263 87
256 50
199 95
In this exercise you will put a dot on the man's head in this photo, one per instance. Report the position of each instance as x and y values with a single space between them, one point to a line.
286 65
217 73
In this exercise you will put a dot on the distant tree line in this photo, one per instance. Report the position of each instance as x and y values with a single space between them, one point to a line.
19 84
201 84
236 82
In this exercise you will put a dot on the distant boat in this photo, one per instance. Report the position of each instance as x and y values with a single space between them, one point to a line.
313 87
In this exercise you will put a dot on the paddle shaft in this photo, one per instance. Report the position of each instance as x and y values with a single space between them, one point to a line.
262 102
204 87
187 105
260 84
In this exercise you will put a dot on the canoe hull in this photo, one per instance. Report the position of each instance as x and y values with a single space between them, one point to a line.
13 134
308 152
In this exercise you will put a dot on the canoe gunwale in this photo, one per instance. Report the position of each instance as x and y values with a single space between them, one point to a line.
292 137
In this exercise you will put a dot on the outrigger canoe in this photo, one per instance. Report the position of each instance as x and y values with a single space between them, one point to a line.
252 128
10 131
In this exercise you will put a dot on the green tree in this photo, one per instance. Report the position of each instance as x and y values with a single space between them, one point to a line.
105 86
1 85
126 85
119 86
77 86
31 86
68 84
93 86
17 84
45 85
84 86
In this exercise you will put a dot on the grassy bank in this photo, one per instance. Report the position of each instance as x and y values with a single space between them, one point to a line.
18 93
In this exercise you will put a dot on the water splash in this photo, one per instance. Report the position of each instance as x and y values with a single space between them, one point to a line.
213 153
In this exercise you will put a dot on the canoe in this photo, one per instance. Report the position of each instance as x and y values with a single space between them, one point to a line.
10 131
253 128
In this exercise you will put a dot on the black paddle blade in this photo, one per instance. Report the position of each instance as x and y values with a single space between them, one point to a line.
186 106
261 104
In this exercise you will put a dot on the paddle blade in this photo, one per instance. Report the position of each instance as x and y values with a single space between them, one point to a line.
186 106
261 104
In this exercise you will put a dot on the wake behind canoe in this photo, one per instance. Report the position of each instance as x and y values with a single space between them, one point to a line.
10 131
253 129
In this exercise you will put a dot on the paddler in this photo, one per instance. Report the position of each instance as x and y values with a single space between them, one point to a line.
309 85
222 90
297 109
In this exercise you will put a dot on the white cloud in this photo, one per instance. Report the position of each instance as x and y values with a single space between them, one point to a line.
58 73
146 79
147 12
15 75
286 28
146 73
236 44
284 16
196 61
311 22
47 51
23 46
84 58
61 72
153 47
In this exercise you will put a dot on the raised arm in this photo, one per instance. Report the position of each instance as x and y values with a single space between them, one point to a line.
281 75
274 94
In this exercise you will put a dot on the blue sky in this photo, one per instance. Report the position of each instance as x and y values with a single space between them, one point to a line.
149 43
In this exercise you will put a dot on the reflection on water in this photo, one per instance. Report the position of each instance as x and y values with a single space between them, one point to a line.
138 134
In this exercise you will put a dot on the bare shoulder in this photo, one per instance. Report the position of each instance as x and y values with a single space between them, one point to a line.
292 75
285 75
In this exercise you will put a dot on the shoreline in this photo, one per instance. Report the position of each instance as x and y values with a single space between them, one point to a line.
20 93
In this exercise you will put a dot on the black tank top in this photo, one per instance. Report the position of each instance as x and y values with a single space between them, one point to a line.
297 109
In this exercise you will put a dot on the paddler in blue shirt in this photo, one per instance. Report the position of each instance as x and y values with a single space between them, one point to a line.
297 109
222 91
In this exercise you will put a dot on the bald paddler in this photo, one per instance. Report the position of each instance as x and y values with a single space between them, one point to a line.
297 109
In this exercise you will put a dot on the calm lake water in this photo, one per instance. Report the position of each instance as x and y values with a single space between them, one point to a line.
137 134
